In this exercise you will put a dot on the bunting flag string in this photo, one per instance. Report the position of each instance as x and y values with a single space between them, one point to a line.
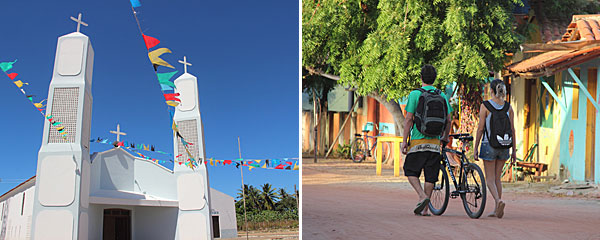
6 66
275 163
164 79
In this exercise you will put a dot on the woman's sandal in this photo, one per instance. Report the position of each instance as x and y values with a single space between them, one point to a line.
500 210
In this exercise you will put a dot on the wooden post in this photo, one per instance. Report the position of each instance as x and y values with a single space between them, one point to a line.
243 187
341 128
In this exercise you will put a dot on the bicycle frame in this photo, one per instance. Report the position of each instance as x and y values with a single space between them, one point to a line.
464 161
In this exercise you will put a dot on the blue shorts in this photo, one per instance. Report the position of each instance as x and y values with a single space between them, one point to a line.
488 153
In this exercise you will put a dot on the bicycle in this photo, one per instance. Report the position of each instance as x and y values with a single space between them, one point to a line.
360 150
470 187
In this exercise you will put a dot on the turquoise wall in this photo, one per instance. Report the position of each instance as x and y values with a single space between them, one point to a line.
575 164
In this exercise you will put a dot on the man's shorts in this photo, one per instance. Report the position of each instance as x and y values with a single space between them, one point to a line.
427 161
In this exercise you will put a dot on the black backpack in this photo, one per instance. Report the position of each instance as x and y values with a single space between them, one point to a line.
431 113
501 135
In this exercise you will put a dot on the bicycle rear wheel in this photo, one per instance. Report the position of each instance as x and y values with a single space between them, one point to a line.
473 183
441 193
358 150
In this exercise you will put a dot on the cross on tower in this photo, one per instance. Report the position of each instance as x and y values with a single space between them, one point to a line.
185 64
118 132
79 22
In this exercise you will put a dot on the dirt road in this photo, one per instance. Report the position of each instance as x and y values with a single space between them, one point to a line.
346 201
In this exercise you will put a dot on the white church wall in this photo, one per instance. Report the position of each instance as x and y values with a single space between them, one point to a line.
154 180
15 214
112 170
155 222
222 205
95 222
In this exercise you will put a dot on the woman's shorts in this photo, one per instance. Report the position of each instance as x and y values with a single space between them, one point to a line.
488 153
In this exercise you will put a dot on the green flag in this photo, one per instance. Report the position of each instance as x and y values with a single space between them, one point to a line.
7 65
163 78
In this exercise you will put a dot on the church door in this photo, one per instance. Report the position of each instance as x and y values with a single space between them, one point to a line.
117 224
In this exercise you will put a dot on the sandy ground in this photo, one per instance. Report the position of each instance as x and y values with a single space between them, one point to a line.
345 200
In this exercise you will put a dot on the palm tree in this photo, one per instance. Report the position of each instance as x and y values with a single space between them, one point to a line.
253 200
268 196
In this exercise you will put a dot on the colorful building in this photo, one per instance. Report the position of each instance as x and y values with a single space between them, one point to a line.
555 92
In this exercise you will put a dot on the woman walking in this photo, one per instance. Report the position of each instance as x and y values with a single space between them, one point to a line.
496 126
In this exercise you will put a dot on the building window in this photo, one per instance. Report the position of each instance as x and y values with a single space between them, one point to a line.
23 204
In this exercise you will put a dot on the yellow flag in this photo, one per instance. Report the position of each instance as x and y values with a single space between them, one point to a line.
146 147
257 161
172 103
20 84
264 166
250 168
296 167
211 162
40 104
155 57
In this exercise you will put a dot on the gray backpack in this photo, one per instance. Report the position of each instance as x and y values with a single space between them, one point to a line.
431 113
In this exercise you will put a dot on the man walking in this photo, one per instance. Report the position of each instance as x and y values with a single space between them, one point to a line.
427 118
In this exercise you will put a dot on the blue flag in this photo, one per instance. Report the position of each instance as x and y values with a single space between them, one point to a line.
135 3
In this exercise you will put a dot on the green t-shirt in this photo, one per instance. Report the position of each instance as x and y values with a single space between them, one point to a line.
411 106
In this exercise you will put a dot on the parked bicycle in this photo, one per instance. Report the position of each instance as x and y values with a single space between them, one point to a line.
360 149
470 186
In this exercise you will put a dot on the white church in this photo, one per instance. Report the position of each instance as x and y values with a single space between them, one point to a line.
112 194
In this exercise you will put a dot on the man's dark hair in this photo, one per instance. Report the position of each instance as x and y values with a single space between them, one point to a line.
428 74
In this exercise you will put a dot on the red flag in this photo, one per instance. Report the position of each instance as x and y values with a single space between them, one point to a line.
289 163
12 76
227 162
121 144
150 41
280 166
172 97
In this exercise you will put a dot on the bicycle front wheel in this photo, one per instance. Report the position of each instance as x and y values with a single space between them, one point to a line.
358 150
474 190
386 152
441 193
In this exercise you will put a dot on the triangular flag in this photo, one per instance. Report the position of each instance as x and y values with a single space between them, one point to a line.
150 41
5 66
288 168
164 87
172 103
20 84
296 167
12 76
280 166
289 163
250 168
227 162
211 162
172 97
257 161
155 57
264 166
56 123
135 3
164 78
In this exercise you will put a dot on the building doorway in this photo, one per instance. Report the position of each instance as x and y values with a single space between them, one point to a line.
590 136
216 229
117 224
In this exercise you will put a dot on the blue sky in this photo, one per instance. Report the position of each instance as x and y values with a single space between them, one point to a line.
244 53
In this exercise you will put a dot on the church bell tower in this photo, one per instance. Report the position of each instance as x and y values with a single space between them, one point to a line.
60 208
193 220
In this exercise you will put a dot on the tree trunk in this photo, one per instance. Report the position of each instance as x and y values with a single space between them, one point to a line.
394 108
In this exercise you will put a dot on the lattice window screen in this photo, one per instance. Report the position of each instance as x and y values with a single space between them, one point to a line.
64 109
189 131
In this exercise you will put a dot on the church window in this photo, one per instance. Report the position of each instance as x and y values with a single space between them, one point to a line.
23 204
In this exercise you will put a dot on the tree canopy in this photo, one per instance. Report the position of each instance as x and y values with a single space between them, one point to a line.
378 47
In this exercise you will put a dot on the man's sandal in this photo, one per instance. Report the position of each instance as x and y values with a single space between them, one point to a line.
421 205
